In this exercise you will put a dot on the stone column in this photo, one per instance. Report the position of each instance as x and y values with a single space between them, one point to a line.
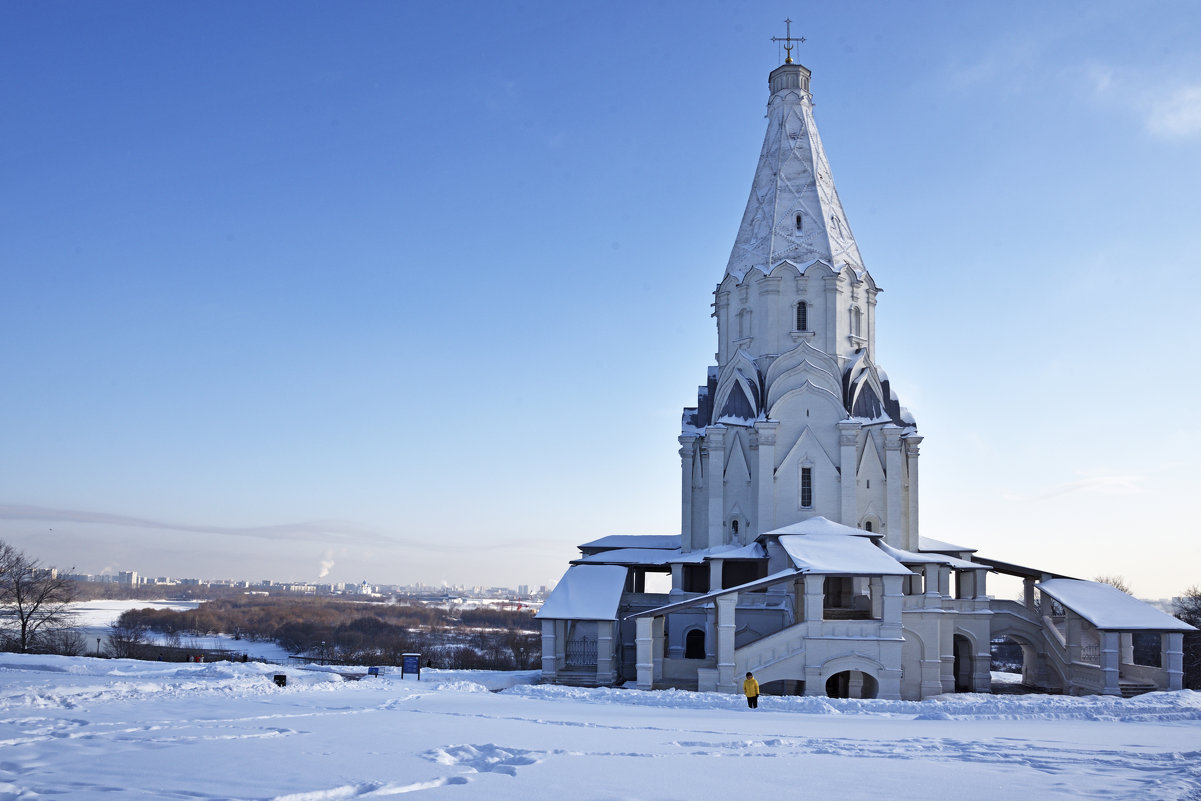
644 643
891 605
765 506
848 439
894 523
1028 595
944 581
677 578
979 587
930 574
911 531
687 454
1110 656
658 629
1126 649
1171 656
549 651
715 574
815 602
946 652
715 443
606 664
726 608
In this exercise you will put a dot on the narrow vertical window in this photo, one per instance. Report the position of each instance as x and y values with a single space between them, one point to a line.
802 316
867 525
806 487
800 226
856 321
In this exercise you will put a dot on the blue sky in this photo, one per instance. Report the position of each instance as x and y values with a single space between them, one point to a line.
416 292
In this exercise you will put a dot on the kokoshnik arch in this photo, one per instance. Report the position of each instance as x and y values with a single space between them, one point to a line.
800 556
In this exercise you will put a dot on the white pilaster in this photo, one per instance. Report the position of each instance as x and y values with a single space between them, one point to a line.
894 525
848 439
911 531
765 512
715 444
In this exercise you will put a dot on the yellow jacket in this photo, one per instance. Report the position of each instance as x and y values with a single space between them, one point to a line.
750 687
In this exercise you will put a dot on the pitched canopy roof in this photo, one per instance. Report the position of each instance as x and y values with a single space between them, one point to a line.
586 592
1109 608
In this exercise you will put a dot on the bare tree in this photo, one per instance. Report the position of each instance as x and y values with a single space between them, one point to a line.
1188 606
1117 582
36 602
127 638
1188 609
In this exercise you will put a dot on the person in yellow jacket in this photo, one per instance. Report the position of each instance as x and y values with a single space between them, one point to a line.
751 688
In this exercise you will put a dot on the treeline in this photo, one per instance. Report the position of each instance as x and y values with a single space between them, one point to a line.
351 632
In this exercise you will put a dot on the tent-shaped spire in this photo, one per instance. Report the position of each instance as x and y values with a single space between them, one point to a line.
793 213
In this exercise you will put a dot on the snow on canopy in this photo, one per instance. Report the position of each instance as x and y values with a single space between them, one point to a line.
586 592
630 556
664 541
931 544
752 551
840 555
1108 607
911 558
822 525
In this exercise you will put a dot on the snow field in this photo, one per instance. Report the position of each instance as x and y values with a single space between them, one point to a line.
81 728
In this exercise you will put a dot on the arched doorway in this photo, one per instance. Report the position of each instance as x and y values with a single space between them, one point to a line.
852 684
694 644
965 663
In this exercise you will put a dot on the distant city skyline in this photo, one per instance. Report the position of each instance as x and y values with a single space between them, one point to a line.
345 292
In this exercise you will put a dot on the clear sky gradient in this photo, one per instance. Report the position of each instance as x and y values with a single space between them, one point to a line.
406 291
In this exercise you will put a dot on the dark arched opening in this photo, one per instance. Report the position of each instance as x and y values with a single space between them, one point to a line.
694 644
852 684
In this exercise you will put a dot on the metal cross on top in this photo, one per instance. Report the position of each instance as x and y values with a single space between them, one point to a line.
788 38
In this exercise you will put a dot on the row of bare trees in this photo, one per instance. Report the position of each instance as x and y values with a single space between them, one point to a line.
35 607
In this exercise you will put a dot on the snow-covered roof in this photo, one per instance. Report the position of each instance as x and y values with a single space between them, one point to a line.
840 555
665 541
631 556
1108 607
931 544
911 558
752 551
586 592
821 525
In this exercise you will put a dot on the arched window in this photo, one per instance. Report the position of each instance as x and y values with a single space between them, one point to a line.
694 644
734 527
744 323
799 224
802 316
867 525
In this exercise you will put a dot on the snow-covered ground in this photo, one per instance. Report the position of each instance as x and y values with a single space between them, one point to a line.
83 728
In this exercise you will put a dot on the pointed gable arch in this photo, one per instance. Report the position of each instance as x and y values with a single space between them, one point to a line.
865 392
807 448
871 465
739 396
737 465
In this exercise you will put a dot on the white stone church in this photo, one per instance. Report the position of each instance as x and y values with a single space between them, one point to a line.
800 557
